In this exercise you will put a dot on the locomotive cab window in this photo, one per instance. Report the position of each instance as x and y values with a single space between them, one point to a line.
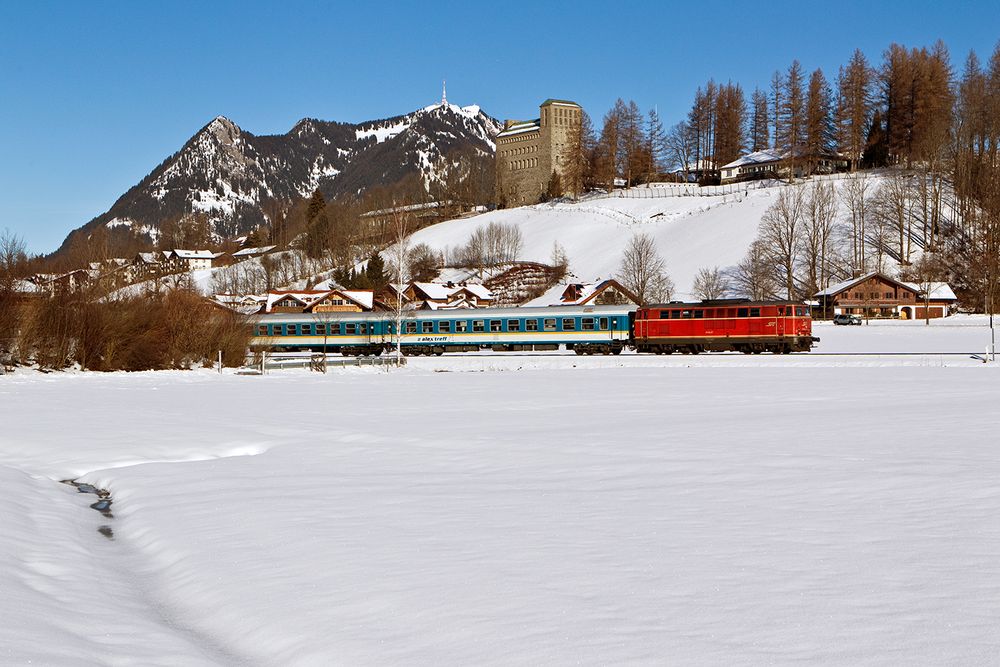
665 314
742 312
675 314
550 324
755 312
801 311
686 315
698 314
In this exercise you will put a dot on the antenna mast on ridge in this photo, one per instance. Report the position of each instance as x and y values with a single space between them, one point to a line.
444 92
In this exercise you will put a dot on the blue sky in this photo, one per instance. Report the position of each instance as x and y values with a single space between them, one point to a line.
94 95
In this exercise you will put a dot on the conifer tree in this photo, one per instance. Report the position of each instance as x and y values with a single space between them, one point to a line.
759 127
854 107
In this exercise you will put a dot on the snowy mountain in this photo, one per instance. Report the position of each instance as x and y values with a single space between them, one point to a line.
227 173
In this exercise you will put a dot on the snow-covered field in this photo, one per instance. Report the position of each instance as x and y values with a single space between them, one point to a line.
717 509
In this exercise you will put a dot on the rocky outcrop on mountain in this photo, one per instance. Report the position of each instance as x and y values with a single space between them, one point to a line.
230 175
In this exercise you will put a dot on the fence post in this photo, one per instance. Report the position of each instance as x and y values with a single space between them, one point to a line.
220 362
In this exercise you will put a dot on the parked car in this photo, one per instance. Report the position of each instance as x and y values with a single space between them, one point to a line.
846 319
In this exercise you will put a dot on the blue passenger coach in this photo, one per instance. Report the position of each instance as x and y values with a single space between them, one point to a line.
585 329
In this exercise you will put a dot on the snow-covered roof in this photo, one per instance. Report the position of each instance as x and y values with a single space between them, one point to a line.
520 127
195 254
844 284
760 157
250 252
938 291
559 295
149 257
436 291
479 291
364 298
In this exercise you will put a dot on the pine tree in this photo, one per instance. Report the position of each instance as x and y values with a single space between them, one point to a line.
316 204
876 152
759 135
375 272
854 107
819 131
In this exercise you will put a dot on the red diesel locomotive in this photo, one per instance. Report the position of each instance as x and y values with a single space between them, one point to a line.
723 325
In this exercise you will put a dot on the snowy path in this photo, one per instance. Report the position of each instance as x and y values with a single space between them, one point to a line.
738 515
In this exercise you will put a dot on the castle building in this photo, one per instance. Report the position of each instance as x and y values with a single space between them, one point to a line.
530 151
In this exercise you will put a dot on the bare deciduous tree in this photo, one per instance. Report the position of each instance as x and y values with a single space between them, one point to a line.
754 277
711 284
643 271
781 232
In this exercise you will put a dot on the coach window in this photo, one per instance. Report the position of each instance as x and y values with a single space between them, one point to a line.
587 324
262 330
362 328
513 325
742 312
461 326
410 327
427 327
479 325
755 312
307 330
335 329
568 324
291 330
603 323
550 324
320 329
444 326
496 325
531 325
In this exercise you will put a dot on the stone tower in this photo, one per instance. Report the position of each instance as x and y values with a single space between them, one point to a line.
530 151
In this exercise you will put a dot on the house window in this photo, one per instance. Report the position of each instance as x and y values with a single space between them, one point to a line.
479 325
531 325
568 324
427 327
444 326
550 324
513 325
